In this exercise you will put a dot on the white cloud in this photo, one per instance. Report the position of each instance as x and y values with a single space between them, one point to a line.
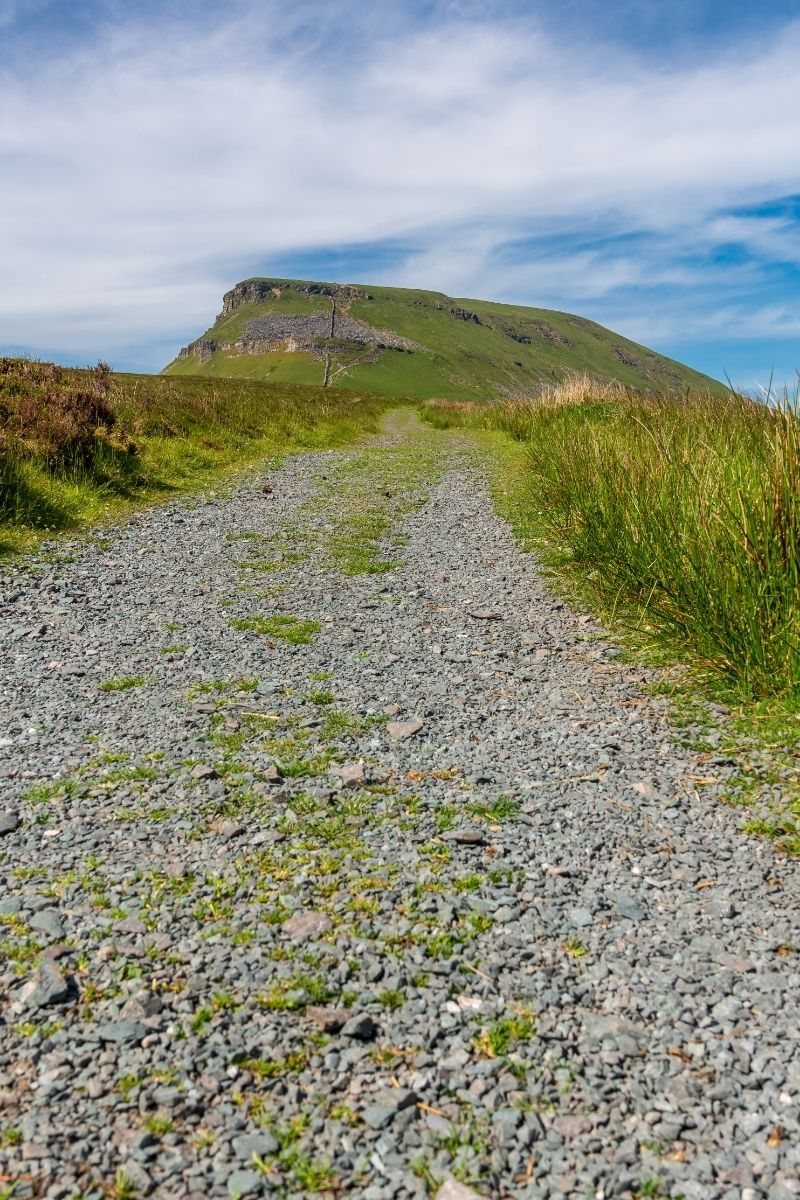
147 172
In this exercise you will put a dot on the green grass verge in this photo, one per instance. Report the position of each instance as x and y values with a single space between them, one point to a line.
677 523
81 447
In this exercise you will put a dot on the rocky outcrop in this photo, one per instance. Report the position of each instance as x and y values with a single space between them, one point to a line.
275 327
460 314
256 291
308 332
202 349
534 331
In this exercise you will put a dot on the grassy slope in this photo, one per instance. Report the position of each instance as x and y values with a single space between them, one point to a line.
157 437
457 359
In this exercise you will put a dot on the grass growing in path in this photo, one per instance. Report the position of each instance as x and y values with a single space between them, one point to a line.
78 446
366 496
122 684
282 627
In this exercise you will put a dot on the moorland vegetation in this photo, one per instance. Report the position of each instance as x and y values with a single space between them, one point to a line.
678 514
80 446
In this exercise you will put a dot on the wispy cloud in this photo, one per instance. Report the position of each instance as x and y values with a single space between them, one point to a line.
149 168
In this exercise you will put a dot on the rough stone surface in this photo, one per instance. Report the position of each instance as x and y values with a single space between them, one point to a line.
9 821
524 950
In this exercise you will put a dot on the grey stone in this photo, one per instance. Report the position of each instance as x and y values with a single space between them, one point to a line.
451 1189
203 772
264 1144
400 730
244 1183
122 1032
360 1026
9 821
580 918
47 921
307 925
46 986
465 837
350 774
378 1116
628 907
330 1020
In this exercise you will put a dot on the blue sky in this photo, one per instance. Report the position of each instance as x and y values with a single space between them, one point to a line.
634 162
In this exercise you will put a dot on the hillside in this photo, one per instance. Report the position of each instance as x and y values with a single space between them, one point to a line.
401 341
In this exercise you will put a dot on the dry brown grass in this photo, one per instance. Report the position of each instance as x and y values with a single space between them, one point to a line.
53 412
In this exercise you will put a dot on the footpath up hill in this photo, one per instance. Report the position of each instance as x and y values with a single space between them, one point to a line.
406 342
338 858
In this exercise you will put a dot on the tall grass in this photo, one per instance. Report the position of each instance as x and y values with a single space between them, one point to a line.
682 513
76 445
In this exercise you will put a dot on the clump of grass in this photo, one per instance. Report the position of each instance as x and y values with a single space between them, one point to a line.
122 684
503 1035
282 627
504 808
680 513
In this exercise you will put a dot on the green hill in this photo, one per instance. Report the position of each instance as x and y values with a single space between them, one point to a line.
401 342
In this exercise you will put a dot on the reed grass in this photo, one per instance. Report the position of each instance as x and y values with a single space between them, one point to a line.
681 513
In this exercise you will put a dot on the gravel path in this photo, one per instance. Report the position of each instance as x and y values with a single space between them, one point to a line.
425 892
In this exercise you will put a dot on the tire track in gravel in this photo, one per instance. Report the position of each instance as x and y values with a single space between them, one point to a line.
427 893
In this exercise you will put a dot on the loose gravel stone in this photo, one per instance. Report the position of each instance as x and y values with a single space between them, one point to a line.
400 730
451 1189
45 986
520 947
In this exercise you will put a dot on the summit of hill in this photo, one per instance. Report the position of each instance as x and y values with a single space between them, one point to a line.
410 342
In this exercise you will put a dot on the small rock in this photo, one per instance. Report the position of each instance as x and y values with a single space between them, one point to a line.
307 925
145 1004
399 730
361 1026
579 918
465 837
262 1144
46 986
130 925
486 614
572 1126
135 1172
329 1020
451 1189
48 922
31 1151
9 821
201 771
226 828
120 1031
350 774
377 1116
395 1098
244 1183
627 907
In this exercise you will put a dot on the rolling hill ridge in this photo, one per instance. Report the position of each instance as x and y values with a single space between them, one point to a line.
402 341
